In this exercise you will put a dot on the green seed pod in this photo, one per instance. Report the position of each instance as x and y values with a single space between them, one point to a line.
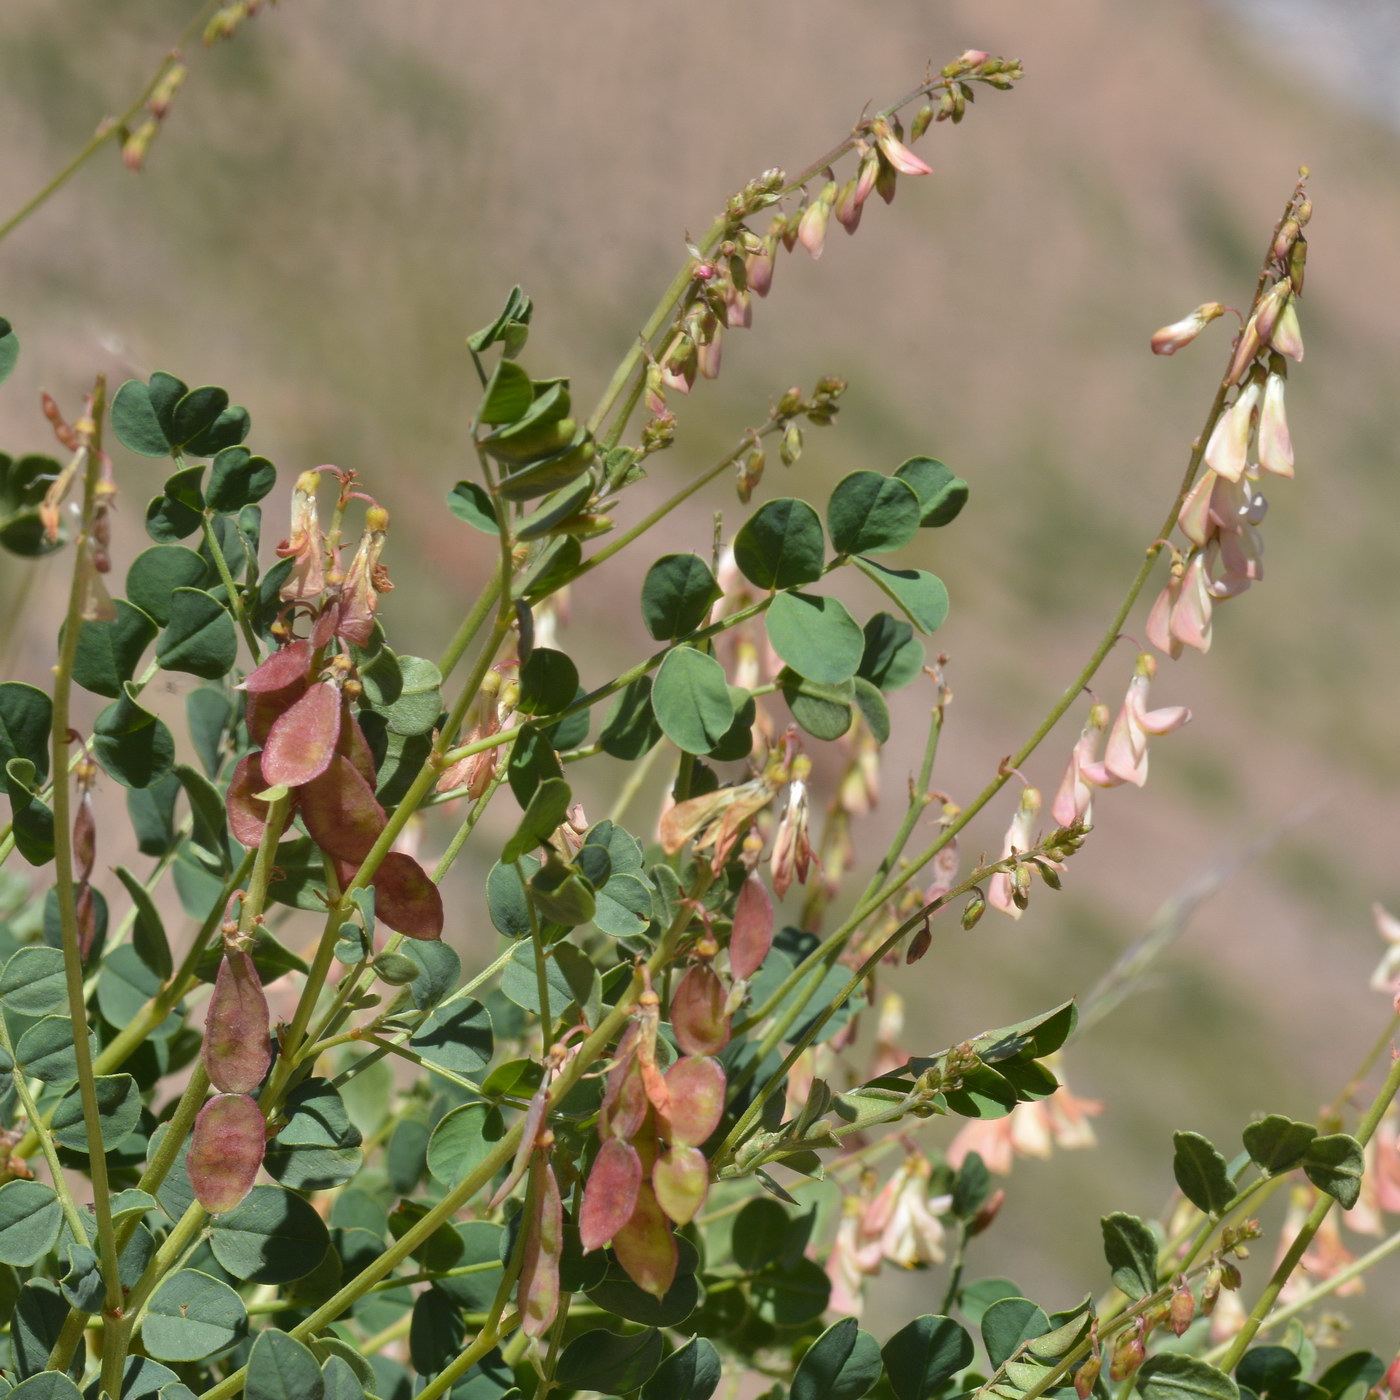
975 908
791 449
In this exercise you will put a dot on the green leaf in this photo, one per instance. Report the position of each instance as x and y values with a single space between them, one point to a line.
842 1364
23 486
125 984
923 1355
33 982
1277 1144
982 1093
136 422
781 545
971 1187
508 395
31 819
1008 1323
209 714
281 1368
1173 1376
26 721
225 432
132 745
1059 1341
549 805
758 1232
196 412
435 1332
520 984
921 595
1334 1164
942 495
462 1140
1269 1368
553 567
892 657
200 638
824 711
977 1297
691 700
210 822
179 511
9 349
555 509
532 761
677 594
273 1236
1202 1173
237 478
82 1281
439 969
45 1051
157 572
1131 1250
872 514
317 1146
548 682
46 1385
604 1361
816 636
470 502
30 1219
192 1317
406 690
691 1372
456 1037
108 652
1352 1376
118 1112
630 727
791 1295
510 328
873 709
148 932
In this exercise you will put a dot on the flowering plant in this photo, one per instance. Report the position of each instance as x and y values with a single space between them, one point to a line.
265 1134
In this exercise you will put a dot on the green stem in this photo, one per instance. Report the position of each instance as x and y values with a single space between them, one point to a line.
106 132
235 598
67 900
1310 1227
471 625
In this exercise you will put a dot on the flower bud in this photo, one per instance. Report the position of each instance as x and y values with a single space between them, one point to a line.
1298 263
1129 1353
973 911
1289 232
750 473
923 119
166 89
1086 1377
791 448
811 227
1170 339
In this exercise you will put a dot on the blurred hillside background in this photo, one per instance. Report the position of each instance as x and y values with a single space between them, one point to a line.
343 193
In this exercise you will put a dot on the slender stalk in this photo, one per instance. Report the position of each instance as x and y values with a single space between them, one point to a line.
63 862
471 625
235 599
107 131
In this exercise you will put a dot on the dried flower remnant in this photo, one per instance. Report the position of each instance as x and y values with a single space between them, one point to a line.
305 543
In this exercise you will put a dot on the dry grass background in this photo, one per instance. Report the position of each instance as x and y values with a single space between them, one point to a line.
348 189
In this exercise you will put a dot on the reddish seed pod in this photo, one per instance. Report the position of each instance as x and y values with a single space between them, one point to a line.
301 742
645 1246
404 897
226 1150
610 1194
537 1293
1086 1377
84 838
751 936
355 747
1183 1309
697 1012
681 1179
696 1086
921 942
247 813
625 1102
86 912
236 1052
340 811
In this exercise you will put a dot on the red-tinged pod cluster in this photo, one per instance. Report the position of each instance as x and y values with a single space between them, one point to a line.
236 1052
226 1150
649 1174
313 745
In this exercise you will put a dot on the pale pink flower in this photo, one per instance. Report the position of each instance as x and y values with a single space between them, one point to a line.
849 1265
1172 338
1275 444
1195 519
1380 1182
1240 556
1020 836
1126 755
792 850
1030 1130
865 178
811 227
896 152
1227 451
1227 1319
1159 617
912 1234
989 1138
1287 338
1386 977
1074 799
1191 617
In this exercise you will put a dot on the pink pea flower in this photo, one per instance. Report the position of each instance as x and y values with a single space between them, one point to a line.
1287 338
1172 338
1074 798
850 1262
792 850
911 1234
1125 759
365 580
1386 977
1227 451
1029 1130
1275 444
1020 836
896 152
1191 616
